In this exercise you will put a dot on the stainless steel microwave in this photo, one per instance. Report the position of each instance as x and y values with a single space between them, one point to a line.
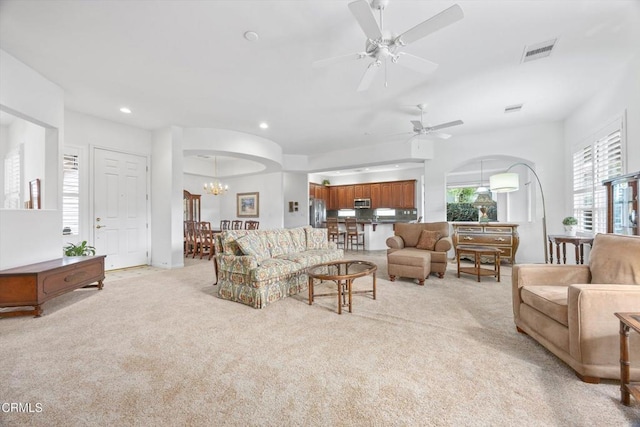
362 203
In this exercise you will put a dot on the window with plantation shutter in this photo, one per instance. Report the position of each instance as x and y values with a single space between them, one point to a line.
12 180
600 160
70 195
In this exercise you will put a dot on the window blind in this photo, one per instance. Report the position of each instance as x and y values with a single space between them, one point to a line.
12 180
70 195
592 164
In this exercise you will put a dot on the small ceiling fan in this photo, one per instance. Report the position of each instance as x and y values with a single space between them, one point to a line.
382 44
420 130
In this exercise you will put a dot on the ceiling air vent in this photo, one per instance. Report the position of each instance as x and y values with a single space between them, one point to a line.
513 108
537 51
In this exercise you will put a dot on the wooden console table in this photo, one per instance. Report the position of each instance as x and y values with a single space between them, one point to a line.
501 235
627 321
577 241
32 285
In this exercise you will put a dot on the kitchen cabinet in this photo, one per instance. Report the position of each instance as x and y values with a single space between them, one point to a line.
385 195
409 194
362 191
393 195
396 195
332 203
375 196
622 204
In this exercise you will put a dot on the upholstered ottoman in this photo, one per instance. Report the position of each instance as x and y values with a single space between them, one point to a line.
409 262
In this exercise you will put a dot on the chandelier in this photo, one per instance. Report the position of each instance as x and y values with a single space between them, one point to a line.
215 187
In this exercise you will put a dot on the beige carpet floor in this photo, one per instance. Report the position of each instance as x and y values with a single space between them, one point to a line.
161 349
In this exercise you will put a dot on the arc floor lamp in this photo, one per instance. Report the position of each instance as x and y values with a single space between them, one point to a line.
507 182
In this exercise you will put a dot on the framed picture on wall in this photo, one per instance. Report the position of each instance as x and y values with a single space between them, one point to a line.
248 205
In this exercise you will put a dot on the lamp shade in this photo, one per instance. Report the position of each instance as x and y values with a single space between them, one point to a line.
504 182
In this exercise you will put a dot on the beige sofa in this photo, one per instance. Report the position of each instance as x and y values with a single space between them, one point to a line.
570 309
405 258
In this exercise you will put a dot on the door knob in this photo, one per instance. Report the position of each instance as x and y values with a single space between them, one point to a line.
100 226
98 219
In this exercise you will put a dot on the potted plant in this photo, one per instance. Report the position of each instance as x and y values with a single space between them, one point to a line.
325 182
80 249
570 225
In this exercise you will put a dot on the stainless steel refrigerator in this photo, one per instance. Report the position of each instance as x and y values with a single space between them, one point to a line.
317 213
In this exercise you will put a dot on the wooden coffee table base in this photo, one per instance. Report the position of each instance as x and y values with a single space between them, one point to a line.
478 252
343 273
628 321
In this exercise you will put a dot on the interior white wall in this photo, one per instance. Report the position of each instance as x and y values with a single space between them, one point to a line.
167 217
27 94
540 145
615 98
295 189
270 187
84 132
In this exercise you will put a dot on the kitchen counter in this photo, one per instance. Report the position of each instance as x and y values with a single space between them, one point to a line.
376 233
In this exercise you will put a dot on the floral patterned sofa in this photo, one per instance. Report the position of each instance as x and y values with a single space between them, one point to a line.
258 267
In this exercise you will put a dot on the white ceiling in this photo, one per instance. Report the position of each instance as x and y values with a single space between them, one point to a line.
186 63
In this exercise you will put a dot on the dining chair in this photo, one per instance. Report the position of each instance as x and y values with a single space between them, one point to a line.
353 234
251 225
225 224
190 238
333 232
236 224
205 239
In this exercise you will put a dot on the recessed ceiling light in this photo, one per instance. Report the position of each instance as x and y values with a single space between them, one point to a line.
264 125
125 110
397 166
251 36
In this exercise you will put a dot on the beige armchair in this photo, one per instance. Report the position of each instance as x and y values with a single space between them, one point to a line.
415 254
569 309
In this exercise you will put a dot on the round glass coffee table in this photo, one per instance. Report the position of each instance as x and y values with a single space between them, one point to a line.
343 273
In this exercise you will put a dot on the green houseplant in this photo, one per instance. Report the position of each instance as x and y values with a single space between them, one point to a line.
80 249
570 223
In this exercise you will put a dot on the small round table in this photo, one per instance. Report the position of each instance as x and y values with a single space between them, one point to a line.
343 273
478 252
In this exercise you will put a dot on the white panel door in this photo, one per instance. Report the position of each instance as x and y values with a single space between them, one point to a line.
120 222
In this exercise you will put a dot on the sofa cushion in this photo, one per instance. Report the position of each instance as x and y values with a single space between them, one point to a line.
550 300
410 257
299 238
313 256
252 244
428 240
274 268
410 232
279 241
615 259
316 238
229 244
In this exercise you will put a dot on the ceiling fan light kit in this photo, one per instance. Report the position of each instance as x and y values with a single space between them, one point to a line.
382 44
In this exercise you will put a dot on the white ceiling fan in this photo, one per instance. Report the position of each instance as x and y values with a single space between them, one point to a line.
420 130
383 44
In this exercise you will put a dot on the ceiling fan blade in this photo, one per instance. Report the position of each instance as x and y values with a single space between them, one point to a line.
338 59
446 125
439 135
364 15
431 25
416 63
416 124
368 77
